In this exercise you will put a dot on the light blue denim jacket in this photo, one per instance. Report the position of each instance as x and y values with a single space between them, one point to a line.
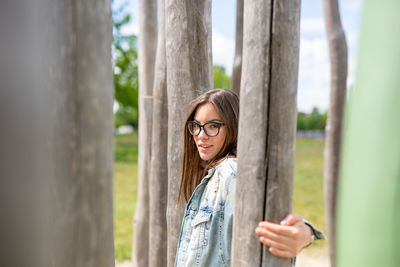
206 234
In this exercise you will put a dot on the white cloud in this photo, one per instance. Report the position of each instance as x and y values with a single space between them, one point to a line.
313 86
352 6
223 50
312 25
130 28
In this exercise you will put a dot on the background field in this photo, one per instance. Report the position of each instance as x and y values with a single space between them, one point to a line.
308 189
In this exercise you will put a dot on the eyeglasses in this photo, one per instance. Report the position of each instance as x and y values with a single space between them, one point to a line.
210 128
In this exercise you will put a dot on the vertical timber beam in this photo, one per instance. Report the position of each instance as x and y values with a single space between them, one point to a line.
81 117
369 186
189 73
237 62
267 125
147 42
158 166
338 62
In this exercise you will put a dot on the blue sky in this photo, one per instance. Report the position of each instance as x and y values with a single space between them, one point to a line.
313 87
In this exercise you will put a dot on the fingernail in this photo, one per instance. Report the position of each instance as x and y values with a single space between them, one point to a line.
284 222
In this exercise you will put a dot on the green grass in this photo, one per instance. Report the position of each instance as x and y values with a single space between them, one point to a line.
308 199
125 192
308 188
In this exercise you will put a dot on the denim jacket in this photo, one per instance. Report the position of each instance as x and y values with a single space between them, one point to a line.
206 233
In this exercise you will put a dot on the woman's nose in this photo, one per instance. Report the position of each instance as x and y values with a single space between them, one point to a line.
202 134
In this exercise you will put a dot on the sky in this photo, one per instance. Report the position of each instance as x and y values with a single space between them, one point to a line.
314 69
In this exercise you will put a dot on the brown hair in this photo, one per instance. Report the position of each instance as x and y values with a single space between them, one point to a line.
194 168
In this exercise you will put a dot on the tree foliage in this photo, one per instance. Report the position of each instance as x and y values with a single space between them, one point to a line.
125 70
221 79
313 121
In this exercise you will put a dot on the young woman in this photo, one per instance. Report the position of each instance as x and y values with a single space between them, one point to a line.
208 188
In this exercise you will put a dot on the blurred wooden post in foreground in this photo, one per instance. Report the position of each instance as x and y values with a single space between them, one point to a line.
369 187
78 80
57 91
147 41
267 125
338 60
189 73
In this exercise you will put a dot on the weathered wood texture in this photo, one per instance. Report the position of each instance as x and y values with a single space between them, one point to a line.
237 61
267 125
147 42
189 73
80 92
338 63
158 166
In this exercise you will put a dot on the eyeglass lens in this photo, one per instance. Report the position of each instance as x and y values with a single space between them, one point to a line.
211 129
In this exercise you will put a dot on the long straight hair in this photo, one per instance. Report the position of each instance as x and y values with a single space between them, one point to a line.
194 168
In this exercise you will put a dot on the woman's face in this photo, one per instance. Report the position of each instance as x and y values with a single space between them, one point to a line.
207 146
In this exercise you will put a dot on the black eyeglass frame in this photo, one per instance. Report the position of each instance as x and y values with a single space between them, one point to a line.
220 124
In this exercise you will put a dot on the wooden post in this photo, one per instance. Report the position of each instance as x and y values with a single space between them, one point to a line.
338 60
158 167
368 212
267 125
146 56
22 183
77 79
189 73
237 62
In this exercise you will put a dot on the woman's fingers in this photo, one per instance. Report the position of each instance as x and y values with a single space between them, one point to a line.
271 243
285 239
288 231
273 236
291 219
282 253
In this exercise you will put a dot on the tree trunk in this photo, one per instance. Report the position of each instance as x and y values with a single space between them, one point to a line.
158 168
267 125
146 56
237 62
189 65
338 59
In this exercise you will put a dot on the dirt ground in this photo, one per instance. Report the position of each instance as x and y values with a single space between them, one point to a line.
309 257
313 257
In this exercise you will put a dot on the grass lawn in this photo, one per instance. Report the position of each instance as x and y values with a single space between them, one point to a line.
308 188
308 199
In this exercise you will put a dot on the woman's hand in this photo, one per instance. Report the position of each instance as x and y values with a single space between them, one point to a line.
286 239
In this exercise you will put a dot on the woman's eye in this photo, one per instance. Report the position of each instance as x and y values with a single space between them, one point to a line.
213 126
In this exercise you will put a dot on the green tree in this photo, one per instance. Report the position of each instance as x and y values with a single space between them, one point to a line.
125 70
221 79
313 121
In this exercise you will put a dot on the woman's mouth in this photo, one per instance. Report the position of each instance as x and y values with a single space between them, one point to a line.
204 148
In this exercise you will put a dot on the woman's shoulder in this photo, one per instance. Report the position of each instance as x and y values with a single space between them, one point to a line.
227 167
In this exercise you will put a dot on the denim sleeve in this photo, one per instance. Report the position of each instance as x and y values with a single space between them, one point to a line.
228 216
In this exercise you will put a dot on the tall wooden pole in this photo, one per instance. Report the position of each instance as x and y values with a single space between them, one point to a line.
338 60
146 56
56 80
77 78
267 125
189 73
237 62
158 166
